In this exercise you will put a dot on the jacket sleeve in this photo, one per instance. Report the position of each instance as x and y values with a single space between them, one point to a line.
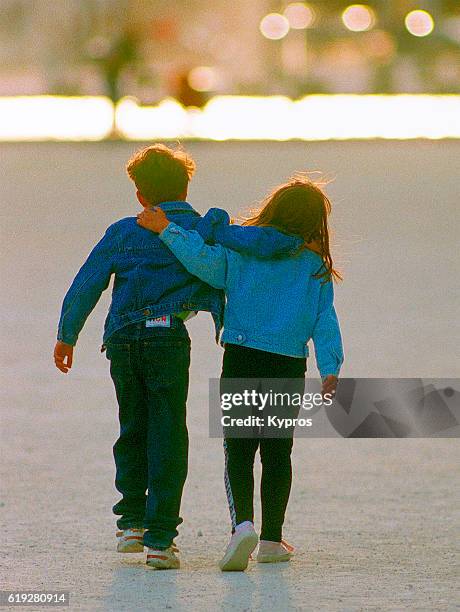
209 263
262 242
326 334
85 291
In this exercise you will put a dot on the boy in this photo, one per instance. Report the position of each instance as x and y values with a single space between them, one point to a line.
148 345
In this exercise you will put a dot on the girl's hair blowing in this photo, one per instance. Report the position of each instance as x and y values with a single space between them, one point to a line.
300 207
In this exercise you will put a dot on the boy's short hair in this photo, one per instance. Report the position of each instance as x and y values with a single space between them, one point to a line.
161 174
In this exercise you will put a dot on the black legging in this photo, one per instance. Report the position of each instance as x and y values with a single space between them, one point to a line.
275 453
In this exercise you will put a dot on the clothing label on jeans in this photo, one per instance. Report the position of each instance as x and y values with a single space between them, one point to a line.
164 321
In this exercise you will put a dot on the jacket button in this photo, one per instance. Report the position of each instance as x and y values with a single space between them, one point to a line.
146 311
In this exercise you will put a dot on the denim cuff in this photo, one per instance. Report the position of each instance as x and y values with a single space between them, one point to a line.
67 338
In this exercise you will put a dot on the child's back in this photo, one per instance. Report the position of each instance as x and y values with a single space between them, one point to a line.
148 280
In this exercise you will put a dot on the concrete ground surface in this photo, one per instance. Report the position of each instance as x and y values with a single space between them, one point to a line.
375 522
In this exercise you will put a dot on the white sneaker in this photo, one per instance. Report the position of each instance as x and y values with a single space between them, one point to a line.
130 541
239 550
274 552
163 559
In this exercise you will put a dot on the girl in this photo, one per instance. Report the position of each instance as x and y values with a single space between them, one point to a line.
273 309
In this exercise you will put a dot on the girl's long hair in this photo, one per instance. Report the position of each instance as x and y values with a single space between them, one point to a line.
300 207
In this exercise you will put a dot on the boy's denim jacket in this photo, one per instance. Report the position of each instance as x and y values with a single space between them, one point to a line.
148 279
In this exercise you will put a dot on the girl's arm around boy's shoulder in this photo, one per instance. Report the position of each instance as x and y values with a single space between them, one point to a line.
209 263
263 242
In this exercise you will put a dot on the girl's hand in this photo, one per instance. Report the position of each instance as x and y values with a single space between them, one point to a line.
329 384
153 219
314 245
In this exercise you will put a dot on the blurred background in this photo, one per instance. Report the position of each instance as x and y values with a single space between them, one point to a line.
189 50
166 57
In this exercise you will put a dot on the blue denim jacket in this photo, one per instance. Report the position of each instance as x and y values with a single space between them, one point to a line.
149 281
276 306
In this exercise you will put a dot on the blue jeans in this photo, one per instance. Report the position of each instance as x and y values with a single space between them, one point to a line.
149 368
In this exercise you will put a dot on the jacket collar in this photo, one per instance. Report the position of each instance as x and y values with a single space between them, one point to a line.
177 206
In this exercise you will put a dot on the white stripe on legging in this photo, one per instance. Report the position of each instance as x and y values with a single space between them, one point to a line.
228 489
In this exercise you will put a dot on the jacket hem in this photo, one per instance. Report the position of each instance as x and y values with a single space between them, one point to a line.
242 339
152 312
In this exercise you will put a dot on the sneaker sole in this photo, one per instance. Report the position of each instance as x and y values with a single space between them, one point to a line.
130 547
161 564
238 559
274 558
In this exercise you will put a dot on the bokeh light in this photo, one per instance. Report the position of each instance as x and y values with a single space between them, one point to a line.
419 23
300 15
274 26
202 78
37 118
278 118
314 117
246 118
167 120
358 18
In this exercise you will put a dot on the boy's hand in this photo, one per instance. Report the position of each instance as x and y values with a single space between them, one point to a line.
329 385
63 356
153 219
